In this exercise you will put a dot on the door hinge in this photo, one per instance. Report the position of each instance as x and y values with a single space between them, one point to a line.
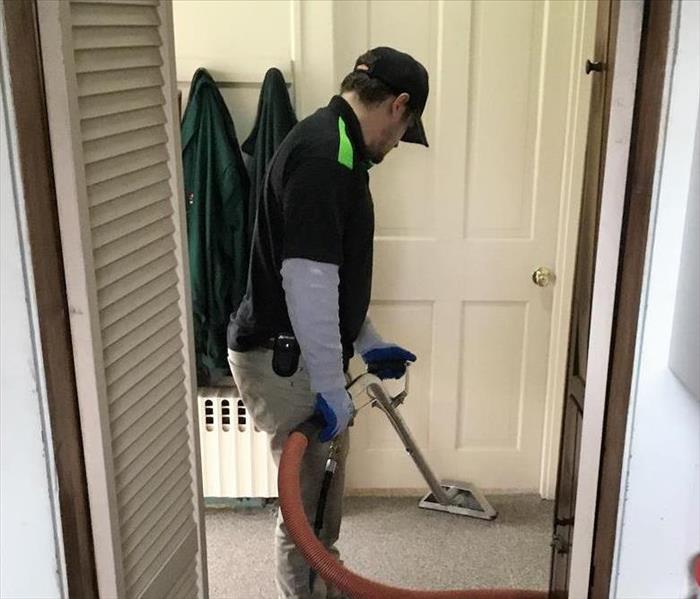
559 545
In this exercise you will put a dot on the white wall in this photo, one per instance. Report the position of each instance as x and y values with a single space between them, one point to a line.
30 562
659 520
685 340
237 42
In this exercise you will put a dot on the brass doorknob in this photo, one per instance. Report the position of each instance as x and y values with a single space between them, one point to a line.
543 277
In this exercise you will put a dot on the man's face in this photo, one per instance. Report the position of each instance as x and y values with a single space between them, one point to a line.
393 118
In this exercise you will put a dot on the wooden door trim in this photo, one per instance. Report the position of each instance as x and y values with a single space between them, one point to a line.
36 169
606 269
638 196
567 239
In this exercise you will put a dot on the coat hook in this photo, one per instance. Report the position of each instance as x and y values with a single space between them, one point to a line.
593 66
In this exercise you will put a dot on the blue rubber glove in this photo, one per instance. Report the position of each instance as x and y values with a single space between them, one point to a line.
388 361
337 410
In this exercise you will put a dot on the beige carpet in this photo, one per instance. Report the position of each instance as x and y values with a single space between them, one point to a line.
391 540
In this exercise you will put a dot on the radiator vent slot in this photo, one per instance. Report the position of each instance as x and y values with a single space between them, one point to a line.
225 415
209 414
236 458
242 416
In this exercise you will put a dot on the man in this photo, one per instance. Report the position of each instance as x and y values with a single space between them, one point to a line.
310 280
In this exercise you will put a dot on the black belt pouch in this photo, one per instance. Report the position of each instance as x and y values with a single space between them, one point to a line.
285 355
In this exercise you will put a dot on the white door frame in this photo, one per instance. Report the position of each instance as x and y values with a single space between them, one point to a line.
628 40
624 87
615 174
565 267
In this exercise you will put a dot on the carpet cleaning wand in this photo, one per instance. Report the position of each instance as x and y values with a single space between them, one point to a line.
313 550
460 498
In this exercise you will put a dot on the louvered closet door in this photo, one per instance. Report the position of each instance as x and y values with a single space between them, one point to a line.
115 141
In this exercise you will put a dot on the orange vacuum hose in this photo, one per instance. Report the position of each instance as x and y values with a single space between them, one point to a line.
327 567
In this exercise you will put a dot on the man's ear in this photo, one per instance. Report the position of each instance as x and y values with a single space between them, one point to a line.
401 102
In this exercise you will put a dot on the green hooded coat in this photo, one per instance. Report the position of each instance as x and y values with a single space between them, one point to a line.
275 118
216 192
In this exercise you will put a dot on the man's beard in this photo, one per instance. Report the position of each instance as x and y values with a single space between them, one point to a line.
376 157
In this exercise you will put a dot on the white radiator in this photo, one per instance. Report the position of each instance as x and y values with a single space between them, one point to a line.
236 458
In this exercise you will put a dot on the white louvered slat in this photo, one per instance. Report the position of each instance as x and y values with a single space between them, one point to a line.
132 446
120 268
149 308
183 583
178 560
130 388
141 561
189 590
160 452
109 59
127 162
158 399
124 148
137 200
122 122
133 239
155 503
171 467
136 490
92 107
126 304
152 516
141 325
130 223
86 38
148 424
133 281
130 243
109 80
164 343
128 183
143 569
119 80
110 15
138 441
140 548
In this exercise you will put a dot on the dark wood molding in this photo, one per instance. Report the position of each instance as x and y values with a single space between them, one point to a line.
574 396
36 167
639 189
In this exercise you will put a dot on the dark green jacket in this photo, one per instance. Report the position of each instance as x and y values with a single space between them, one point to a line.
216 192
274 120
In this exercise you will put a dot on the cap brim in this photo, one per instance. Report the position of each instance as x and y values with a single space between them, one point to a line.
415 134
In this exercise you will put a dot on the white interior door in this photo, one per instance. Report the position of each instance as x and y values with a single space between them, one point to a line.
462 226
109 73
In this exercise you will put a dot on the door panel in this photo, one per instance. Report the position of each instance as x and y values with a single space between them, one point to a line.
505 48
112 115
494 368
416 319
462 226
567 479
407 205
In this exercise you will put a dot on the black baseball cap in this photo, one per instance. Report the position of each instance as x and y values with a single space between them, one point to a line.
401 73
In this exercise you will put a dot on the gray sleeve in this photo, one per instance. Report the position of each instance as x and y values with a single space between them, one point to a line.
368 338
311 291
